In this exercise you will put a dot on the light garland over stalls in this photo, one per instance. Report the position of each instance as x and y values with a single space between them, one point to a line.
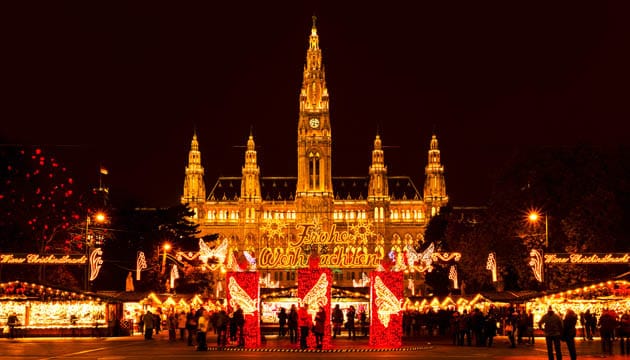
244 291
386 319
40 307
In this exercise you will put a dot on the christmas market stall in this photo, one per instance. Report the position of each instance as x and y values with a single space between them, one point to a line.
46 311
594 298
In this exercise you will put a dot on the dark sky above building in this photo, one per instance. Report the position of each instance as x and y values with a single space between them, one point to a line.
124 84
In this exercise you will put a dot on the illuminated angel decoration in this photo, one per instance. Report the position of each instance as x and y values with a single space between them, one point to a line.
219 252
239 297
386 302
317 295
423 259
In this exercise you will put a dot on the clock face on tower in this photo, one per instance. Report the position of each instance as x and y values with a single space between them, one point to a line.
314 122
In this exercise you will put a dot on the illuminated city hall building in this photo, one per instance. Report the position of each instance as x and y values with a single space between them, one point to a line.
351 222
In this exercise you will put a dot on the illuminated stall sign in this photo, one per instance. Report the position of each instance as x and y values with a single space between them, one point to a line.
588 258
36 259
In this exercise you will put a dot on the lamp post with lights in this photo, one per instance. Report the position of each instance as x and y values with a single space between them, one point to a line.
534 217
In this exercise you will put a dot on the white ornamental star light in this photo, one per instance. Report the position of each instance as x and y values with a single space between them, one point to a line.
141 264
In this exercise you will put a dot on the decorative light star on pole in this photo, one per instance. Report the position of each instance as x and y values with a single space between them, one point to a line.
536 263
452 275
491 265
96 261
141 264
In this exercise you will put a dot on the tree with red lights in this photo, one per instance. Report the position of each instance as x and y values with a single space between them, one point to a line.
39 208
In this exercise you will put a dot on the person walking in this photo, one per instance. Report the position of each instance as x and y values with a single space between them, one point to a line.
337 320
305 322
292 323
181 325
350 315
172 326
202 329
551 324
530 328
239 321
148 319
221 321
12 322
624 333
607 324
569 332
490 329
282 322
320 325
191 326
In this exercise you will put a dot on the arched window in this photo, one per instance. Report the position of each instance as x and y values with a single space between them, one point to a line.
313 170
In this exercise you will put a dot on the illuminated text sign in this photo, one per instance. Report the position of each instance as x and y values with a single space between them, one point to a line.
36 259
588 258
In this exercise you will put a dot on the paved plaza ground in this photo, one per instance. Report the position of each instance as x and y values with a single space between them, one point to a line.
135 347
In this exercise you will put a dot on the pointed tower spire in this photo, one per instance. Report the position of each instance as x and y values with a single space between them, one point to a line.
314 183
378 189
434 183
250 183
194 186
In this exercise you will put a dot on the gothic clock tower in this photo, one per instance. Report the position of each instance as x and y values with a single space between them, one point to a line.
314 193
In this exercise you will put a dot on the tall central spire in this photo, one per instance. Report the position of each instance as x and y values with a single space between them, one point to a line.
314 95
314 193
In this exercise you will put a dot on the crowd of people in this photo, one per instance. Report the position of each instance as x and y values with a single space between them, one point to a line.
193 326
474 328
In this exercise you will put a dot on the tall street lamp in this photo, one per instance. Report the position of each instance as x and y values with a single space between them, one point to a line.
99 218
166 247
533 218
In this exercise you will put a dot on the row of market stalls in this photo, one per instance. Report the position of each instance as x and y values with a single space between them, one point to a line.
46 311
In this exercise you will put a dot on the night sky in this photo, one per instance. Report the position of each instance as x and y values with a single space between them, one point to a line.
125 84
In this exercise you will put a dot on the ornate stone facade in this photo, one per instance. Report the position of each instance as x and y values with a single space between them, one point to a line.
270 216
